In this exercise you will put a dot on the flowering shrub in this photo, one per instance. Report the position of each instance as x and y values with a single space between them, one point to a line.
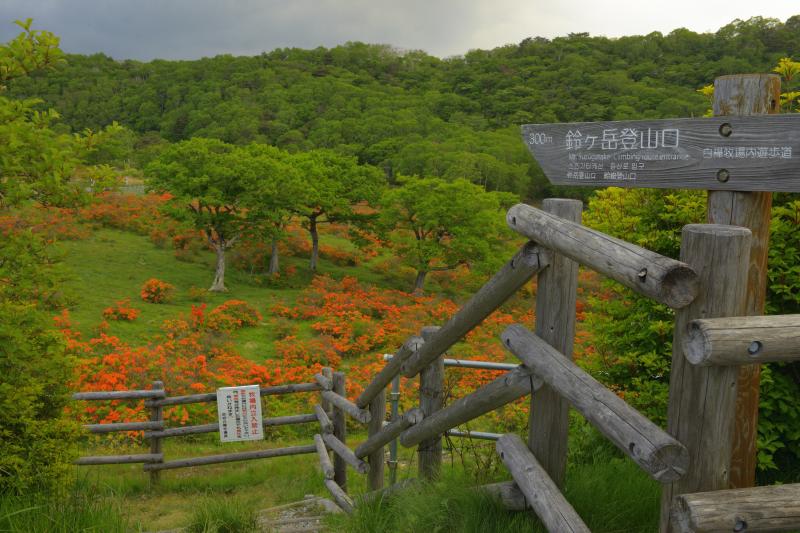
232 315
156 291
137 213
121 310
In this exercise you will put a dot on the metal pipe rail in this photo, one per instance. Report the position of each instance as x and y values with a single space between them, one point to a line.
469 363
481 435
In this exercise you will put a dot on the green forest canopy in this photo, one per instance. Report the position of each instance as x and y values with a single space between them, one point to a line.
408 112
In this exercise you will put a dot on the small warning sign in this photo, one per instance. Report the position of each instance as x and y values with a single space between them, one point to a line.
239 410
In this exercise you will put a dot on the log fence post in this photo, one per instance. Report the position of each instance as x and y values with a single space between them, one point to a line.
746 95
431 400
556 296
395 401
339 430
156 443
377 410
326 405
702 400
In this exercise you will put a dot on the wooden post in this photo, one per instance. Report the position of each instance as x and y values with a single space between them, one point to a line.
556 295
752 94
156 444
339 431
377 411
702 399
328 373
431 400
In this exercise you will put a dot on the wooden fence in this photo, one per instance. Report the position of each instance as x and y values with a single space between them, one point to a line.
713 337
706 287
155 430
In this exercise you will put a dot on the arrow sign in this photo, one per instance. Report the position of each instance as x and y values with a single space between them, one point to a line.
758 153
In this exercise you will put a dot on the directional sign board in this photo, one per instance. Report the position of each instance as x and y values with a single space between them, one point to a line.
239 410
759 153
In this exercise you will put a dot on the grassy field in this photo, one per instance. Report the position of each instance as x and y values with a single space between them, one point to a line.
112 265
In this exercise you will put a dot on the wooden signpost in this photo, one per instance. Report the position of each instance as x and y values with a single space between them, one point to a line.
740 156
733 153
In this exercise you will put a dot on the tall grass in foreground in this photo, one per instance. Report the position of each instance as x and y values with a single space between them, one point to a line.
71 514
227 515
612 497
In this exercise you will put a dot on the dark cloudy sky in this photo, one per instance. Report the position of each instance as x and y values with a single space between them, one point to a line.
184 29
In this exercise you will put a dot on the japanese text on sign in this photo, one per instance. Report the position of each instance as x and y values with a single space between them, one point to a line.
623 139
239 410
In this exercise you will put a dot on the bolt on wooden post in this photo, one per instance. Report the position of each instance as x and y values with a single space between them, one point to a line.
745 95
431 399
156 444
702 399
339 430
556 295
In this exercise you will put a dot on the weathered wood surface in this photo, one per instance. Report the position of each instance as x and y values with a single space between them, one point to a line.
232 457
119 395
556 296
389 371
214 426
656 452
212 396
328 373
325 382
502 390
752 94
756 509
508 494
431 401
123 426
540 491
323 418
339 496
156 445
342 451
701 406
664 279
528 261
389 432
119 459
339 430
758 153
743 340
343 404
377 411
325 462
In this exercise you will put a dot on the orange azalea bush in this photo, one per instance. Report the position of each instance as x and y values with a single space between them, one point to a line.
121 310
183 357
232 315
156 291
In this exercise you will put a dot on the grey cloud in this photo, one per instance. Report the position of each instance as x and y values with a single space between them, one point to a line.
184 29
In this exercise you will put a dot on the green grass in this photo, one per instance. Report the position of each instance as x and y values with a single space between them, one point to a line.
112 265
73 513
223 515
611 497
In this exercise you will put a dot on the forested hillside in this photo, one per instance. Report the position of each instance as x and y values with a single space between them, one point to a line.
406 111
